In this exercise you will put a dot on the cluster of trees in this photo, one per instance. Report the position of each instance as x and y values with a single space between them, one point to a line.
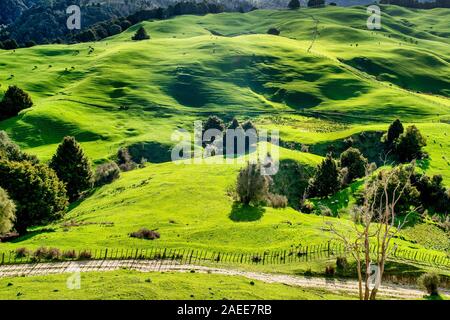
246 131
140 34
295 4
405 145
419 4
14 101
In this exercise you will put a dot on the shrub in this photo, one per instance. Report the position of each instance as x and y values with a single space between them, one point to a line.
124 160
273 31
409 145
22 253
341 264
114 29
140 34
106 173
36 190
72 167
85 255
430 282
145 233
69 254
252 186
329 271
355 162
325 211
277 201
394 131
7 212
327 179
44 253
307 206
14 101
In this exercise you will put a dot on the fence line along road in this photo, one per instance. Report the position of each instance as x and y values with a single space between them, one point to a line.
191 256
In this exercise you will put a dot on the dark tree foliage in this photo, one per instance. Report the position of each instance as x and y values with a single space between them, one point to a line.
234 124
316 3
39 195
433 194
252 187
14 101
409 145
140 34
294 4
10 44
72 167
11 151
273 31
355 162
327 179
418 4
394 131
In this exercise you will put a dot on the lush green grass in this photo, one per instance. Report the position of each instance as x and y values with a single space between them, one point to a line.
126 284
188 71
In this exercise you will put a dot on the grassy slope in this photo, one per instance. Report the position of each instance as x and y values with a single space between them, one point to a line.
185 73
134 285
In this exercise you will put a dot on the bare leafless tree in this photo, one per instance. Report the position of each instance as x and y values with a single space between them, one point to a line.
375 224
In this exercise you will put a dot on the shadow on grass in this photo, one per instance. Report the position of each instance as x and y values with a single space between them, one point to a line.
31 234
433 297
246 213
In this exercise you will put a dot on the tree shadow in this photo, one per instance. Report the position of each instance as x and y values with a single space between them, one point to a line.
246 213
31 234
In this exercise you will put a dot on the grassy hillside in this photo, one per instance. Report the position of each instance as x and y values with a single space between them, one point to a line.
118 92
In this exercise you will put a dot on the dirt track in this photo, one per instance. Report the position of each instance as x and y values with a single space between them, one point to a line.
335 285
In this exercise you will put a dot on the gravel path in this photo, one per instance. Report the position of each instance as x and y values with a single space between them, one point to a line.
335 285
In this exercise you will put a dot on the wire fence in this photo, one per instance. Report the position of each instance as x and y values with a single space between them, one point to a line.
314 252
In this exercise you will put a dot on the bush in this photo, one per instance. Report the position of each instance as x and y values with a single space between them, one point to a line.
22 253
7 212
409 145
252 186
277 201
106 173
273 31
69 254
72 167
355 162
145 233
14 101
140 34
329 271
44 253
85 255
341 264
124 160
36 190
11 151
327 179
430 282
307 206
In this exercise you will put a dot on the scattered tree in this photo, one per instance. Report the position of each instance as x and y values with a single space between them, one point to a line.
39 195
124 160
273 31
7 212
327 179
356 163
409 145
140 34
14 101
252 187
294 4
394 131
430 282
72 167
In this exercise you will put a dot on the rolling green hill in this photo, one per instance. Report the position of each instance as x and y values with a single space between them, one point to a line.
349 80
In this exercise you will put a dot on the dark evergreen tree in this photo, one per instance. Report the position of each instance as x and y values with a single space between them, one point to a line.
355 162
14 100
72 167
327 179
294 4
316 3
409 145
273 31
39 195
394 131
140 34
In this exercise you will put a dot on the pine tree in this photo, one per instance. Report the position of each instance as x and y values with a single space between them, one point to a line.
326 180
394 131
294 4
72 167
141 34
